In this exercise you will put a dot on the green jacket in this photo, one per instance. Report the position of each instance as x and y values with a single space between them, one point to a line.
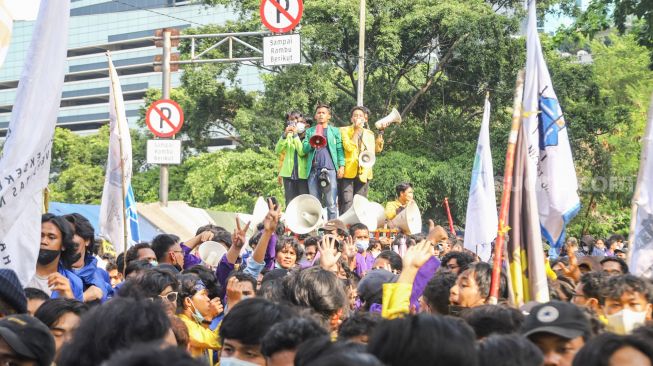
334 143
288 146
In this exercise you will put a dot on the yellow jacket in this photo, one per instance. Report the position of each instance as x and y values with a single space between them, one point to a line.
202 341
391 209
396 300
352 151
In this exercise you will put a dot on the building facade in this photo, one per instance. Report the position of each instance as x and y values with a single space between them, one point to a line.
126 28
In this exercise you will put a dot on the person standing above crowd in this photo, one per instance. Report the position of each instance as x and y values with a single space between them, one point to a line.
57 254
356 139
327 163
293 165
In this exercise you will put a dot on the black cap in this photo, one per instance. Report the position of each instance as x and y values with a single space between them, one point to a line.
371 286
28 337
556 317
11 291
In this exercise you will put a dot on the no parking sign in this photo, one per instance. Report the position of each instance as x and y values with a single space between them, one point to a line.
281 16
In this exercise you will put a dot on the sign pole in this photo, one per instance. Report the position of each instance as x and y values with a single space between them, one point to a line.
165 91
361 55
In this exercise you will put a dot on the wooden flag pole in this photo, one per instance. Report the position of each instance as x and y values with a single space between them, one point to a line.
507 187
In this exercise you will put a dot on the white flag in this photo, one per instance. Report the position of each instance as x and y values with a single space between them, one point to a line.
641 237
548 143
25 163
6 25
481 221
119 170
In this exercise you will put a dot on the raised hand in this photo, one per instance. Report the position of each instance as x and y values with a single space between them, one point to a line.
349 248
272 218
58 282
328 253
238 236
417 255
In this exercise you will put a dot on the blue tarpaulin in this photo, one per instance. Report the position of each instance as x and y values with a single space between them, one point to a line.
92 213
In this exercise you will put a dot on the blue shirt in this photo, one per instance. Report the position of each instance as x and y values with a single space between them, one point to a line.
322 157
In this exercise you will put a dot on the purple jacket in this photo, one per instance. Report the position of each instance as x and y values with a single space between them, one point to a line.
363 263
424 275
190 259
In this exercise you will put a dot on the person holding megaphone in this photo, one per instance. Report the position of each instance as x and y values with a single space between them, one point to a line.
360 153
293 159
326 159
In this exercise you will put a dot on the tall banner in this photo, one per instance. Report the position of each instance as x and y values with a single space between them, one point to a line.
118 206
548 143
6 25
641 236
481 220
527 272
25 162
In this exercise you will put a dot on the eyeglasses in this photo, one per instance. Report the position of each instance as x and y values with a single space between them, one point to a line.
452 266
170 296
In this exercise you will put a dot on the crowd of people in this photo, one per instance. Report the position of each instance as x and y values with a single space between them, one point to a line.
341 297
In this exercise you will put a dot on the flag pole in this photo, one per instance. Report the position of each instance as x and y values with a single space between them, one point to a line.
446 206
507 187
122 162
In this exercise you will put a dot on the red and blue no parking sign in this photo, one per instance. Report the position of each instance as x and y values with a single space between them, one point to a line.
281 16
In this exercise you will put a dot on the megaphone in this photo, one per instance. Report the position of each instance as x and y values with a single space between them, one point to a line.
393 117
211 252
303 214
378 212
366 159
409 220
361 211
318 140
260 211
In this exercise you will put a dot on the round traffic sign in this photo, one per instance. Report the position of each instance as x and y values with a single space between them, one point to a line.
281 16
164 118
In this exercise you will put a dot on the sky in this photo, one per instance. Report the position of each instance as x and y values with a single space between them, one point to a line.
23 9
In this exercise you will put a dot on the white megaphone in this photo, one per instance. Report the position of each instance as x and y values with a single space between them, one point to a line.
393 117
211 252
361 211
303 214
378 212
366 159
409 221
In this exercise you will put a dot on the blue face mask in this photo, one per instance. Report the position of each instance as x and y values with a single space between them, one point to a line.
362 245
231 361
197 315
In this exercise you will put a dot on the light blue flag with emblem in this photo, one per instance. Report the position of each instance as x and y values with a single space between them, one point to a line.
548 143
481 221
132 216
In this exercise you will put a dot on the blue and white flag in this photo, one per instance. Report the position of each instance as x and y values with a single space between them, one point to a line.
481 221
548 143
25 163
118 217
641 234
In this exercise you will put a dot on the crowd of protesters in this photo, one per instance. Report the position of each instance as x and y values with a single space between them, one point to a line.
341 297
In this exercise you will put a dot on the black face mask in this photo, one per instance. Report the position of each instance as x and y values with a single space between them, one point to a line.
47 256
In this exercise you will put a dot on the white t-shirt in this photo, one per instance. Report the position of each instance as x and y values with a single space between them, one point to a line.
40 283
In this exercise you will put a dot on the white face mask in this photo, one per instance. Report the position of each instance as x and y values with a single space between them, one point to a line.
625 321
362 245
231 361
300 127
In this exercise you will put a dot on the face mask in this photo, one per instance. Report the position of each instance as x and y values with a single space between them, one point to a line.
300 127
361 245
625 321
375 254
231 361
47 256
154 263
197 315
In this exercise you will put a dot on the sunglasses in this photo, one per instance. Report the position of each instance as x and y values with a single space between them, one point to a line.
170 296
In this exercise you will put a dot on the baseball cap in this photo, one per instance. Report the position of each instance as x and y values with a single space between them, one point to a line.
28 337
370 287
556 317
11 291
334 225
